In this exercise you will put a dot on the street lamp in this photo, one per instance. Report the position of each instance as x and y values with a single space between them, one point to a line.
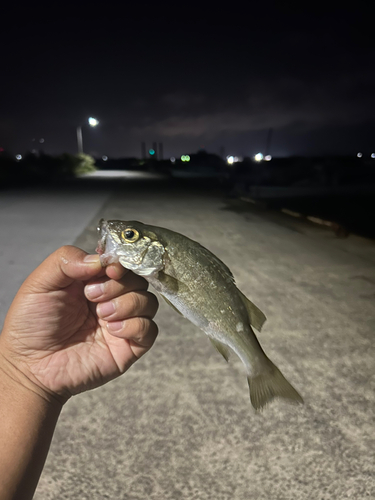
93 122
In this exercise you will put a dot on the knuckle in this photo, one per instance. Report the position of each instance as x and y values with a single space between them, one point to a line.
136 302
142 325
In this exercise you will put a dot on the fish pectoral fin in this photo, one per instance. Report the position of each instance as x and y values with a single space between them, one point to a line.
222 348
169 282
170 304
256 317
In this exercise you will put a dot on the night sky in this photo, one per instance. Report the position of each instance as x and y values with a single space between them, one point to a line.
191 78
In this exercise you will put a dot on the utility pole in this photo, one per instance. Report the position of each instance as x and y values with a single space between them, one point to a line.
143 150
79 140
160 150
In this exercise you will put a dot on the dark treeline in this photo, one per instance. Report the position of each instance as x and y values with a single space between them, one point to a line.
43 168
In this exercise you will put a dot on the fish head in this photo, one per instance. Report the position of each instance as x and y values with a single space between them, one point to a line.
132 244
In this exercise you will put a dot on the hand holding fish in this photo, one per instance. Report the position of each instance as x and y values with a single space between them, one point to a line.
74 326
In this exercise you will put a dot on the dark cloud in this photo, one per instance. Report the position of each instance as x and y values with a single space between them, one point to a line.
203 78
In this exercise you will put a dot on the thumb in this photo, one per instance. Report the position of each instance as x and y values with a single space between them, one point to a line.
61 268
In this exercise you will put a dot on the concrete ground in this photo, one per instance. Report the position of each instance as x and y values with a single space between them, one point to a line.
179 424
33 223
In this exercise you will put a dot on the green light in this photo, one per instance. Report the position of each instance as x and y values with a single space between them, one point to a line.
151 151
185 158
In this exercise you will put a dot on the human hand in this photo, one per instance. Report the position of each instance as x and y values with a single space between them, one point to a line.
59 334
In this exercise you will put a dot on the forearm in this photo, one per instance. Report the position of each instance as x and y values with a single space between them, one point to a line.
27 423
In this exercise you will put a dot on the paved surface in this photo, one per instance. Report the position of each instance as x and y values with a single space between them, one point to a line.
33 223
179 424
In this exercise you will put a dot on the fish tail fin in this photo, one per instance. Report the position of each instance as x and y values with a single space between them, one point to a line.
269 384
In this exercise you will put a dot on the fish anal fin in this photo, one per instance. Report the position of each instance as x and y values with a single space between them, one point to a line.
222 348
170 304
256 317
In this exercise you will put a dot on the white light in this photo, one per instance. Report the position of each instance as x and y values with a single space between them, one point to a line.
230 160
93 122
104 158
18 157
173 159
372 155
359 155
258 157
268 157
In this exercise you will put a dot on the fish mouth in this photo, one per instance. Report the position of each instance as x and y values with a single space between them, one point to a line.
102 229
107 247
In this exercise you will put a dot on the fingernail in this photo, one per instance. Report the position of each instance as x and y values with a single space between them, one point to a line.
94 291
106 309
90 258
114 326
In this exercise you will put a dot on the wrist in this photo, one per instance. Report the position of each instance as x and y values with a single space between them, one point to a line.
20 382
27 421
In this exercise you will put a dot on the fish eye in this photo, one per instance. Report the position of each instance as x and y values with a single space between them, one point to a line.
130 235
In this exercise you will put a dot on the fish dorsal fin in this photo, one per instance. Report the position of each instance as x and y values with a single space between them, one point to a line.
170 304
256 317
222 348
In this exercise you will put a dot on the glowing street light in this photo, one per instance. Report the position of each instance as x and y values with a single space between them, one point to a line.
359 155
258 157
93 122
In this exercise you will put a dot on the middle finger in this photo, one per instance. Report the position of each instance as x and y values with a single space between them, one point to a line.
129 305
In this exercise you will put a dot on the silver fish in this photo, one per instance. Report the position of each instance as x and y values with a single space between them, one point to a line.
200 287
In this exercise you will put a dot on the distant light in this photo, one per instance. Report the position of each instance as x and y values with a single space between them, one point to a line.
372 155
258 157
93 122
233 159
185 158
104 158
18 157
41 140
151 151
268 157
173 159
359 155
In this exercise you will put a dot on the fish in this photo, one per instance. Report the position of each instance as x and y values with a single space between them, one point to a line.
200 287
